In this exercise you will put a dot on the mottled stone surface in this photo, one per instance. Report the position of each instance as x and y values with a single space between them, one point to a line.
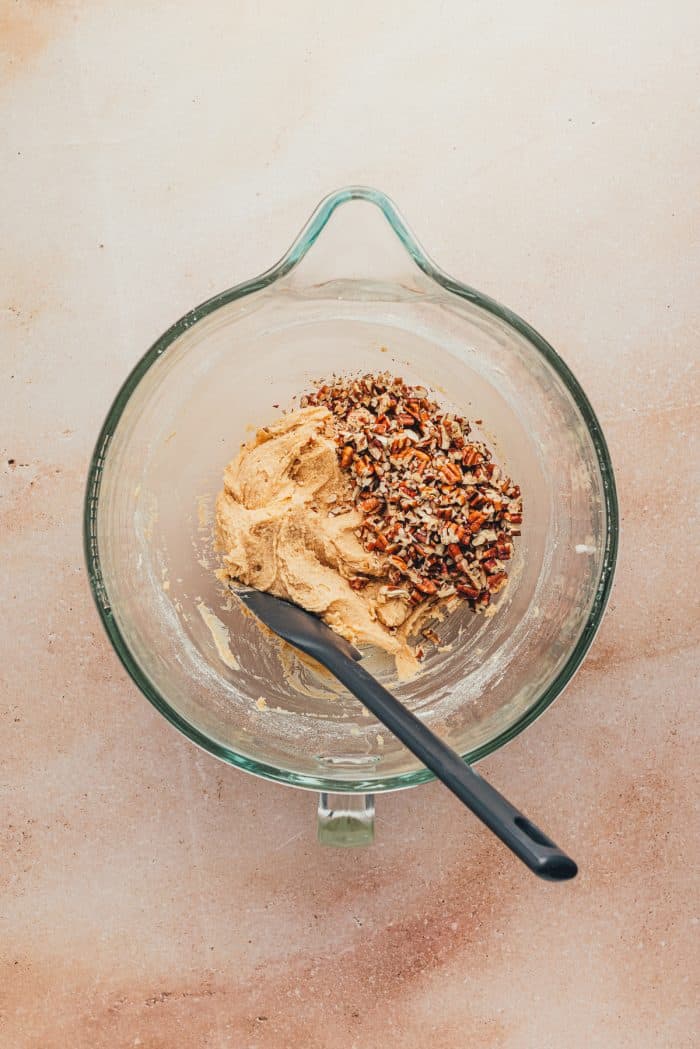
155 153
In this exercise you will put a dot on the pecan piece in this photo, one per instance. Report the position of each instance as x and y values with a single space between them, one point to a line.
369 505
398 562
426 586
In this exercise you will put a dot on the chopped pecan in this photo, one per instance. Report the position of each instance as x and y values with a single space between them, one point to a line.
497 581
426 586
437 510
398 562
369 505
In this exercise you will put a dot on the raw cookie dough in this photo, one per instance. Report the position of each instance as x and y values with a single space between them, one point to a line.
277 532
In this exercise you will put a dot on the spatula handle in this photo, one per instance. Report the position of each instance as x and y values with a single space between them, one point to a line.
521 836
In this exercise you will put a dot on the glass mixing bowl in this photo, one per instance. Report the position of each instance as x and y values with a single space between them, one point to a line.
366 298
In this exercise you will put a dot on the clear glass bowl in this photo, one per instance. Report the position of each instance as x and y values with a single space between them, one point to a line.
367 298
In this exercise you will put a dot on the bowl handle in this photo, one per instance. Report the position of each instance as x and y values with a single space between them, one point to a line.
346 820
356 234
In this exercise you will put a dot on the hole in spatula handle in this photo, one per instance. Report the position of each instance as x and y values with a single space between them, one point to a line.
554 865
533 832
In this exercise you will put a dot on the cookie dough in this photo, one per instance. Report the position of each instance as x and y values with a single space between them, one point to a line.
285 523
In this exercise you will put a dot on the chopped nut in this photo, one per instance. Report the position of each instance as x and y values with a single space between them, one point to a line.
393 591
467 591
497 581
426 586
435 508
399 563
368 505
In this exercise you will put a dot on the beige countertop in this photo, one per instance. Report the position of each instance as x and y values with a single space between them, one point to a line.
155 153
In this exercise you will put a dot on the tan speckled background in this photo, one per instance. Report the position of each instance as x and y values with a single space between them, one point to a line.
154 153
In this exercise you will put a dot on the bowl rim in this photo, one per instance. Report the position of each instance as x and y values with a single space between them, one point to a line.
286 263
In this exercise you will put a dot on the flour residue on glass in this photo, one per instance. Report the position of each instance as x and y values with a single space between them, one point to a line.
220 635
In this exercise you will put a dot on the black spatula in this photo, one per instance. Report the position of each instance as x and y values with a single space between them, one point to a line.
311 635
